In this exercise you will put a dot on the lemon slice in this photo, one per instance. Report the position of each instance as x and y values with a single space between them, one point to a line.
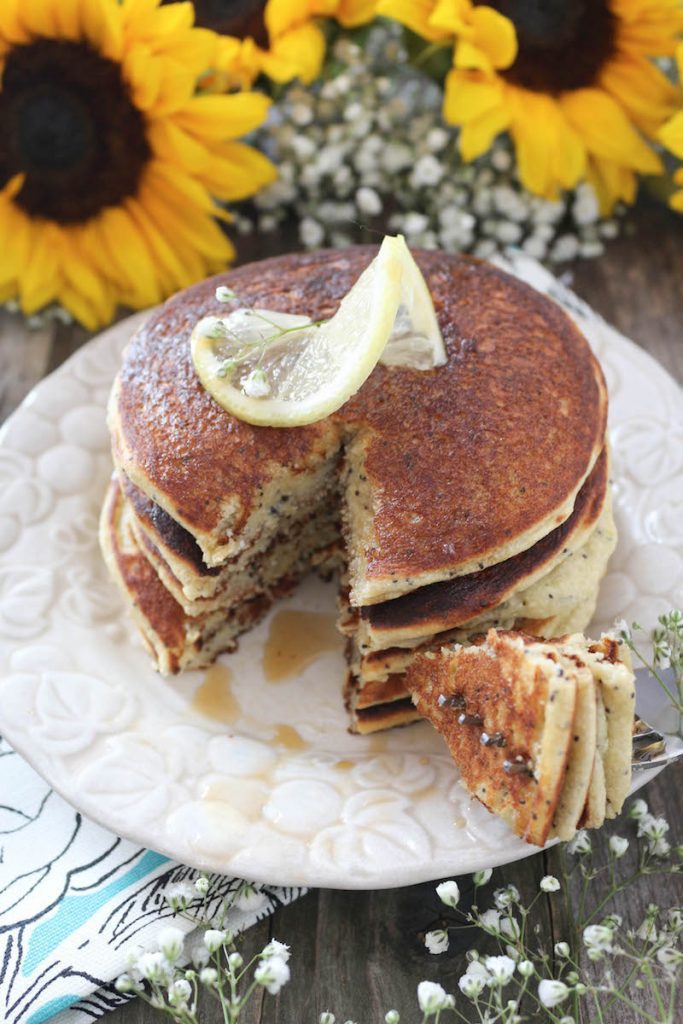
281 370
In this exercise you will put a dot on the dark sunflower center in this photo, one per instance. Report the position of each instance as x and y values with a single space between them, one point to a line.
563 44
239 18
68 123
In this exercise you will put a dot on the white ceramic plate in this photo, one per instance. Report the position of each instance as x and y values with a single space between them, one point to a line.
79 699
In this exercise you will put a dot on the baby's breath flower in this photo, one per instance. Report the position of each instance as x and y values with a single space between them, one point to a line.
437 941
125 984
551 993
235 961
509 927
171 941
275 948
504 898
255 385
392 1017
327 1018
618 846
202 883
224 294
179 993
448 893
250 899
482 877
311 233
208 976
500 968
638 809
597 939
567 1020
179 895
549 884
671 959
368 201
154 967
525 968
561 949
471 985
489 921
214 938
272 973
580 844
653 830
431 997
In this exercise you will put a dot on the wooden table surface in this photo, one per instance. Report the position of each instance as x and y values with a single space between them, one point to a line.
361 953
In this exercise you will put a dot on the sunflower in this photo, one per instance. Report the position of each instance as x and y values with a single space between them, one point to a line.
110 160
672 137
284 40
572 81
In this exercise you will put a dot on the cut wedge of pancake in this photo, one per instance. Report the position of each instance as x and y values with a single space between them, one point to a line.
522 718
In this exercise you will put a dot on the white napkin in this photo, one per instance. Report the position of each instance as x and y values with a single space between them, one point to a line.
75 901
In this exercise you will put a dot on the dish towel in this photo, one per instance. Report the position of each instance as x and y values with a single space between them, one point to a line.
76 901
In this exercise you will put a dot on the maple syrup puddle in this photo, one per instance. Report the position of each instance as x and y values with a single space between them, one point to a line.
295 640
214 698
287 736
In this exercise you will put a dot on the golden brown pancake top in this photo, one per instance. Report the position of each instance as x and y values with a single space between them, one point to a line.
461 459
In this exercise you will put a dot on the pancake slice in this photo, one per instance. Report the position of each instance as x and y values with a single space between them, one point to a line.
610 663
506 709
540 731
577 788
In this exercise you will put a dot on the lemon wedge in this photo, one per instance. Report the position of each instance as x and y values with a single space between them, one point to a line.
281 370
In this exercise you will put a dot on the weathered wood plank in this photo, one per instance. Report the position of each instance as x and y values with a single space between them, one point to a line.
24 359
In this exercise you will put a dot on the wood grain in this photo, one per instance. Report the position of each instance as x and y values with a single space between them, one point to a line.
360 954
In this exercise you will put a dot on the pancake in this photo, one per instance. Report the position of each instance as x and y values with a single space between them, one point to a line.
300 546
441 468
522 720
506 710
471 598
176 641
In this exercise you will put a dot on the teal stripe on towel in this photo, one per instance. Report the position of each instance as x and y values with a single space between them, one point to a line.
52 1008
74 910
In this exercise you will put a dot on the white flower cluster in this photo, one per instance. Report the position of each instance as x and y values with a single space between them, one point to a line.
370 143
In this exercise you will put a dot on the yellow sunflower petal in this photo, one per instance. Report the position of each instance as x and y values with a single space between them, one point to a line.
238 171
177 272
280 15
612 183
415 15
12 28
495 35
649 27
14 225
39 18
606 130
550 155
476 104
39 281
671 134
469 95
124 249
194 192
80 277
297 53
102 26
642 90
169 142
223 117
351 13
162 200
143 75
68 19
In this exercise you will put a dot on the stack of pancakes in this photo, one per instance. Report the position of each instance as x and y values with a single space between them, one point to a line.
471 495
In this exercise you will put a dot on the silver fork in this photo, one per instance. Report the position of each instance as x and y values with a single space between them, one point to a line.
652 748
